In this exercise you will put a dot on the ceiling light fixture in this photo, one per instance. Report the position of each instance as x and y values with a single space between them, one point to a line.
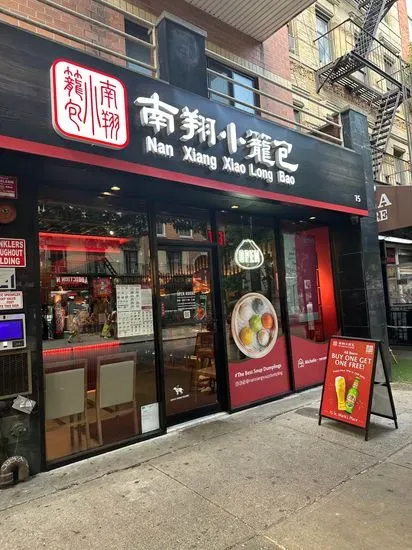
312 218
396 240
115 188
234 206
107 193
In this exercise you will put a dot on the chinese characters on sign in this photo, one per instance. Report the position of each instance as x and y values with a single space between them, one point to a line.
265 158
89 105
348 380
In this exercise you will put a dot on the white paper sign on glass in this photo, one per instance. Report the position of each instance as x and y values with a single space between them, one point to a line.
150 417
88 105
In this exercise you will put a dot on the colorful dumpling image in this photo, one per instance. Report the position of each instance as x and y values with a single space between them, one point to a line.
255 323
258 305
245 312
263 337
246 336
267 321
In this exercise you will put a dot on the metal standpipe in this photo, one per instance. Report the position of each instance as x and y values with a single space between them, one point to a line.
14 464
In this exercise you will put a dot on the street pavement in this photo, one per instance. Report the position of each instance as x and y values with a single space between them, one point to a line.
262 479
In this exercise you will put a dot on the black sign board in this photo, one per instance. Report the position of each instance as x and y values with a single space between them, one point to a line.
356 383
327 176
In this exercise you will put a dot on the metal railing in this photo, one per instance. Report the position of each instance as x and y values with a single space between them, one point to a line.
395 171
350 38
321 121
99 31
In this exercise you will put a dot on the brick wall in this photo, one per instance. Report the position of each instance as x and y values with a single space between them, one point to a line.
270 58
37 12
404 28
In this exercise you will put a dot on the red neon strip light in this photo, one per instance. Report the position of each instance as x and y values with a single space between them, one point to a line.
80 348
119 240
25 146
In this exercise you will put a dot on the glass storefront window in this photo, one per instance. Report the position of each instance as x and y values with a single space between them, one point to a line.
256 347
399 274
97 315
310 299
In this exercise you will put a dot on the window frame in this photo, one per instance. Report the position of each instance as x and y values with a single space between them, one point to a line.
228 71
184 236
292 42
322 16
163 233
398 155
297 117
389 64
128 44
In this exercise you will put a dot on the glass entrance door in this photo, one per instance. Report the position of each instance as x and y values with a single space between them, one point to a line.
188 331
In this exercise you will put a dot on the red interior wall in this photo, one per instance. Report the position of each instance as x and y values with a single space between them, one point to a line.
327 289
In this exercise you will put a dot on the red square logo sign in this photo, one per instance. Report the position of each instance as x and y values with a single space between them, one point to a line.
88 105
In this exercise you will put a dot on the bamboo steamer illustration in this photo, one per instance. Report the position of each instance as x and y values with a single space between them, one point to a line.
254 325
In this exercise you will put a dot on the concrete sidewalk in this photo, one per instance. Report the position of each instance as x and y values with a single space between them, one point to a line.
265 478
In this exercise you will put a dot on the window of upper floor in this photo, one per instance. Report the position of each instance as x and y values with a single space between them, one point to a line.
389 68
324 43
400 167
236 91
136 50
292 39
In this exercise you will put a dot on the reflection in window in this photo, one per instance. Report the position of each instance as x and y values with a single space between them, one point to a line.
237 90
97 316
185 280
161 229
188 223
311 300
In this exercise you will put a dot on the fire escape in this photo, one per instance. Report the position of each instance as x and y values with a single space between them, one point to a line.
357 50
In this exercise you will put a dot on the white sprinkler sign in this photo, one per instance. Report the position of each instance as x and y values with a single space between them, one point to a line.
11 300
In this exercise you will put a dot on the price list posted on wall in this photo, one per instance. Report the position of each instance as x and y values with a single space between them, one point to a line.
349 381
12 252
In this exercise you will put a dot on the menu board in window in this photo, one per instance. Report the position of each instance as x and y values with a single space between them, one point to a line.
134 311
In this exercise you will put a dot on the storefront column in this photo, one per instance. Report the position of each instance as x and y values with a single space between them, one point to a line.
21 433
360 260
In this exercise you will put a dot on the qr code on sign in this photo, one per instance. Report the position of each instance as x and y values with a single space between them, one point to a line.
369 348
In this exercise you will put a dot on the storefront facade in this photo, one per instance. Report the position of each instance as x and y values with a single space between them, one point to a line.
393 208
180 257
